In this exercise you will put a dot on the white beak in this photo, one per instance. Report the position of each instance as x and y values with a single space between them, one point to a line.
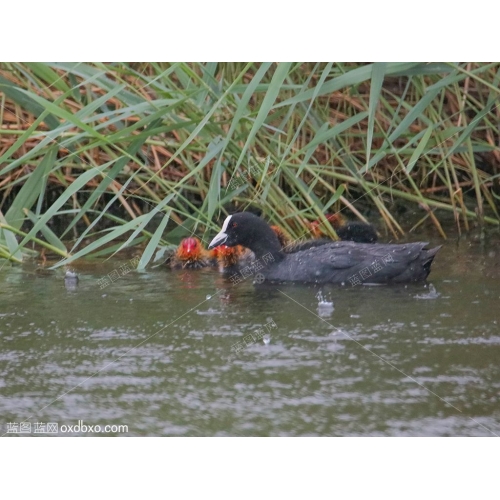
218 240
222 236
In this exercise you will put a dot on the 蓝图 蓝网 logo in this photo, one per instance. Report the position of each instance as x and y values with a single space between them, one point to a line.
29 428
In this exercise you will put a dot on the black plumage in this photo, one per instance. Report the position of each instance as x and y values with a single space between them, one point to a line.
334 262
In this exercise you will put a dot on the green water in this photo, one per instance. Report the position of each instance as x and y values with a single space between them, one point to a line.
153 352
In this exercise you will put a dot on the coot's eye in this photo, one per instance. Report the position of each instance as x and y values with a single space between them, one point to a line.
234 224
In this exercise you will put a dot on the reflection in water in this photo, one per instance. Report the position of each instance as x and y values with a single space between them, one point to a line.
153 351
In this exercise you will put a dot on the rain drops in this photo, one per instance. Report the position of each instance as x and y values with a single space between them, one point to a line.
431 295
325 307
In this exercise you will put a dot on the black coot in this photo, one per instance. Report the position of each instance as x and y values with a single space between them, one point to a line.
335 262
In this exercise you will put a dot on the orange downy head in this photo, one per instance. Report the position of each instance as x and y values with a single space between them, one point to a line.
283 237
318 226
189 249
227 256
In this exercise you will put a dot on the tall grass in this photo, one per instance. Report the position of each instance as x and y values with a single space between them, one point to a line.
142 153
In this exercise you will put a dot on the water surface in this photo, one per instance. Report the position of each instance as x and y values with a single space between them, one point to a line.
153 351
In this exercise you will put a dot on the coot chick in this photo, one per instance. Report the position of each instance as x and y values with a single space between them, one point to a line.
335 262
357 231
283 237
230 258
190 254
289 246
